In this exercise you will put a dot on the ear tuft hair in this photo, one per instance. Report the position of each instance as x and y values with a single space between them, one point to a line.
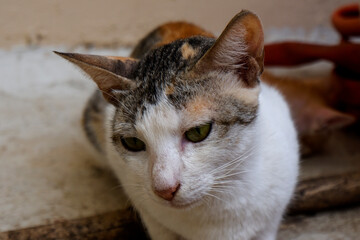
239 49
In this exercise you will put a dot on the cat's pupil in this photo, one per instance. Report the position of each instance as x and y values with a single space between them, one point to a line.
199 133
198 130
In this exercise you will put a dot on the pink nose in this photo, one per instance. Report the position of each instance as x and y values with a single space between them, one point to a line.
169 193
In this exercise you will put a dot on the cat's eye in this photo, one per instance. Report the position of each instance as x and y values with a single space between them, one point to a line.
199 133
133 144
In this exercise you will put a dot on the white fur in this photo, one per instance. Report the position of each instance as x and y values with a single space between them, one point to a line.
233 188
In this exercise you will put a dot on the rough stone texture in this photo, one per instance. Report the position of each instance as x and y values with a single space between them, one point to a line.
47 171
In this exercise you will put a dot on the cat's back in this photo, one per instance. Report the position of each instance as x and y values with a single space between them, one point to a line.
167 33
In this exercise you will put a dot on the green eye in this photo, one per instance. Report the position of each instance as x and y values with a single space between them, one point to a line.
133 144
198 134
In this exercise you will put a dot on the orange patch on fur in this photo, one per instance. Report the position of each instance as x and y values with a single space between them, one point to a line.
249 96
124 59
169 90
170 32
199 109
187 51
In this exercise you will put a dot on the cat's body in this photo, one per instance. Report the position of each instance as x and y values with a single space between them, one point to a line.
251 203
201 148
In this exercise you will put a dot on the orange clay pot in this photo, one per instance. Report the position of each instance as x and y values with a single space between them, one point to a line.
346 20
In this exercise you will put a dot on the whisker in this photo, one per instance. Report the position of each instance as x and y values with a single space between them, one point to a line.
214 196
235 160
228 167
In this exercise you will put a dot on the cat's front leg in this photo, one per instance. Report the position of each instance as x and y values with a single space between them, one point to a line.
270 232
266 236
156 230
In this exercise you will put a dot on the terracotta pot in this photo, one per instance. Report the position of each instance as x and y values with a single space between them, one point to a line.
346 20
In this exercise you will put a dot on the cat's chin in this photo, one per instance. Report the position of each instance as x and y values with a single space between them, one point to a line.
184 205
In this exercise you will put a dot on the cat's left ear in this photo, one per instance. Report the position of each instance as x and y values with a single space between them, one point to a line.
111 74
239 49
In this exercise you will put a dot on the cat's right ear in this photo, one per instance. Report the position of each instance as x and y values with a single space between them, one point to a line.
238 50
111 74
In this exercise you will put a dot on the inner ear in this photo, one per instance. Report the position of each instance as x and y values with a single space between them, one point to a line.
111 74
239 49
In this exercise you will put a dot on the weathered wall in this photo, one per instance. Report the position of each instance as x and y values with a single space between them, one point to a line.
125 21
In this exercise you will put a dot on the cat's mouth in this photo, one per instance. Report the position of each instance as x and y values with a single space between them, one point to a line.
184 198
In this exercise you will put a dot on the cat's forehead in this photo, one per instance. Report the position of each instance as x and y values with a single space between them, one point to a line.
162 66
159 73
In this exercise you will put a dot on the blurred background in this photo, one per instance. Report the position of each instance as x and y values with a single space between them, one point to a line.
47 169
123 22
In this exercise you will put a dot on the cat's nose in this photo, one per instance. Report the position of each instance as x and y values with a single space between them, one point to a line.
168 193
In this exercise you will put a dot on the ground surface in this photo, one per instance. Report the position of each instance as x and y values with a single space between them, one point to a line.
47 172
45 165
334 225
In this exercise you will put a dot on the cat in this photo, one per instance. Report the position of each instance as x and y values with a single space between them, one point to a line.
202 148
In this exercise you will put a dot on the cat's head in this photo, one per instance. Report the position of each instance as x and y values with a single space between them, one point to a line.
183 125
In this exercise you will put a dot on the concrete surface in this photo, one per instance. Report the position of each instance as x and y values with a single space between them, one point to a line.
46 167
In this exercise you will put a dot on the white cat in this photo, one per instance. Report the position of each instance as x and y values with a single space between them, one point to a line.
201 147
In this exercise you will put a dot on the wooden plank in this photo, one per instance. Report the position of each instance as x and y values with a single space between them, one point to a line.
312 195
114 225
324 193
